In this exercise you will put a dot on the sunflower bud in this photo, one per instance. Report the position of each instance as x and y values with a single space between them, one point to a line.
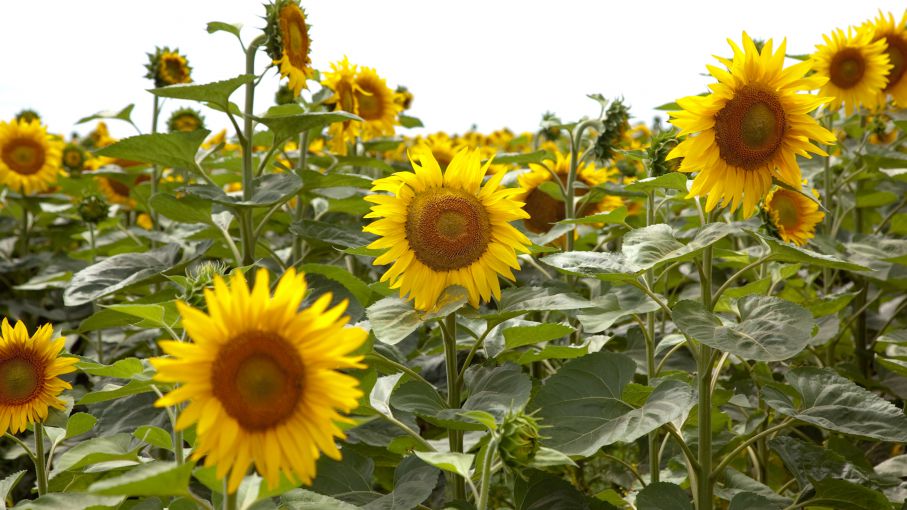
168 67
551 130
185 120
73 159
284 95
27 116
93 209
200 277
519 440
657 153
614 124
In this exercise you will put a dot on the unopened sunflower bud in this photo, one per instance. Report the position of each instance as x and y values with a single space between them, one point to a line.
614 124
27 116
185 120
657 153
73 159
520 439
93 209
551 130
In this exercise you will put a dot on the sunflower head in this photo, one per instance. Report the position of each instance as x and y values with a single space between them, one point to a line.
289 42
263 378
790 216
520 440
98 137
28 115
444 228
855 66
751 128
614 125
894 33
375 104
341 79
29 157
168 67
185 120
73 158
657 153
30 366
404 97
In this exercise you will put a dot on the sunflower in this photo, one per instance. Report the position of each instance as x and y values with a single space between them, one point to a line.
117 192
446 228
289 42
262 378
856 68
375 104
30 367
895 36
543 209
168 67
185 120
73 158
750 129
29 157
342 81
793 216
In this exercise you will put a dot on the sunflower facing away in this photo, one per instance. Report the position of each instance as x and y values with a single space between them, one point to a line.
29 157
168 67
793 216
750 129
446 228
30 367
895 36
262 378
289 42
856 68
342 80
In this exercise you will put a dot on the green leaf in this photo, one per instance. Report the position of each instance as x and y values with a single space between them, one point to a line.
380 396
519 336
497 390
517 301
354 180
808 461
613 306
844 495
409 122
220 26
185 209
82 501
458 463
736 482
663 496
125 115
770 329
79 423
95 450
154 436
752 501
175 150
536 490
604 266
524 158
217 92
301 499
393 319
870 198
615 217
115 391
287 126
7 485
270 189
649 247
117 272
673 180
357 287
156 478
825 399
324 232
783 252
582 404
126 368
155 313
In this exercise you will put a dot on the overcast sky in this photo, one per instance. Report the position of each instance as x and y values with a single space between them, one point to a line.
491 63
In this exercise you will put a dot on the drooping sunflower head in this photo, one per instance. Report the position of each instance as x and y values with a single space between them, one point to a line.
29 157
856 68
375 104
73 158
751 128
884 27
792 216
289 42
28 115
404 97
341 79
30 367
446 228
263 379
185 120
168 67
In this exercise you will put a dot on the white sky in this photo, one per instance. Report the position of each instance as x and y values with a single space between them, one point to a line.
492 63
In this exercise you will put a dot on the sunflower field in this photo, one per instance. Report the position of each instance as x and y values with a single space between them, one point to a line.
314 309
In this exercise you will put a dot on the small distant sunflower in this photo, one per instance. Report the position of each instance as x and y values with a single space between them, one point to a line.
30 367
289 42
856 68
73 158
792 216
750 129
185 120
441 147
446 228
895 36
342 81
375 104
262 378
168 67
29 157
404 97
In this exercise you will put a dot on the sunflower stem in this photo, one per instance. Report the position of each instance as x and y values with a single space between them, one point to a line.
248 172
704 482
40 460
24 237
229 497
300 206
455 437
654 458
485 484
155 171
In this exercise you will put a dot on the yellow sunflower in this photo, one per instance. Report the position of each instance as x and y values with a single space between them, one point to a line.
446 228
168 67
117 192
855 66
375 104
262 378
342 81
289 42
30 367
29 157
543 209
793 216
895 36
750 129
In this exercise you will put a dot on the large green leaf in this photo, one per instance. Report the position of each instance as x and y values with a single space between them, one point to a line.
651 246
582 404
7 485
357 287
516 301
325 232
541 491
82 501
784 252
519 336
117 272
217 92
611 307
393 318
604 266
663 496
808 461
269 190
301 499
286 126
770 329
156 478
844 495
752 501
185 209
672 180
99 449
176 150
824 398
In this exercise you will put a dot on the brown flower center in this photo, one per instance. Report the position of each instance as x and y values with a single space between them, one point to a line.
295 35
258 378
897 54
370 105
21 379
173 69
72 158
750 128
23 156
847 68
787 210
447 229
543 210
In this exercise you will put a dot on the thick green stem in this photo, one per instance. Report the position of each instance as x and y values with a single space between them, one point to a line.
40 460
654 459
155 171
485 485
704 482
300 205
248 173
455 437
25 234
569 192
229 498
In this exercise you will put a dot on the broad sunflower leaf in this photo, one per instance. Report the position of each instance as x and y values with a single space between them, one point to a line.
663 496
357 287
7 485
808 461
524 158
672 180
177 150
58 500
220 26
617 216
825 399
117 272
770 329
125 115
604 266
519 336
288 126
459 463
540 491
185 209
753 501
301 499
99 449
270 189
393 318
844 495
648 247
217 92
784 252
613 306
331 233
156 478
